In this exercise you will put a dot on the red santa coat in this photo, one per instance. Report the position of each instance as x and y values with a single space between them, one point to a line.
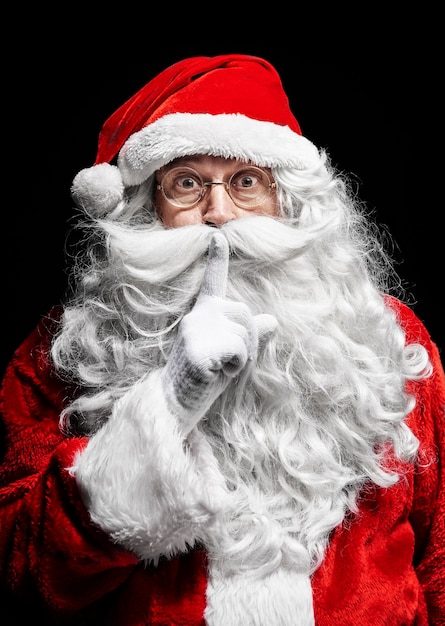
385 566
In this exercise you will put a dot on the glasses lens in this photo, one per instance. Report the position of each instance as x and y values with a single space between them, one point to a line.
249 187
182 186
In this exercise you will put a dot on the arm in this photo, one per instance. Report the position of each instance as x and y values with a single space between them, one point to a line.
428 512
428 509
48 544
52 556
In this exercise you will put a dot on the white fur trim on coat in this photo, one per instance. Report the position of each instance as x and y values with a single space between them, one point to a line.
283 598
143 484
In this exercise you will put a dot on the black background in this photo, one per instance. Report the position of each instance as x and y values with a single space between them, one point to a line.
378 121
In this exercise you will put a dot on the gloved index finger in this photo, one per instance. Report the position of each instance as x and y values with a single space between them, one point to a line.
215 277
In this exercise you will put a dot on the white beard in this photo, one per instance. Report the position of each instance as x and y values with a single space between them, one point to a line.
299 437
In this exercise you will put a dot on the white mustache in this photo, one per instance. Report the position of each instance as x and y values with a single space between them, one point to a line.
159 255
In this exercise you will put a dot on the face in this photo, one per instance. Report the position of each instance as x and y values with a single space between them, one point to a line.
216 206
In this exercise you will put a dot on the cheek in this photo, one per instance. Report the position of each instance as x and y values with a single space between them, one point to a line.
186 218
270 207
172 218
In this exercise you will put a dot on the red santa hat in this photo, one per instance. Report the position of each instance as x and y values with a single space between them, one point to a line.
231 105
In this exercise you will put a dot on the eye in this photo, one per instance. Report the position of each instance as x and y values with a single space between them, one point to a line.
246 179
182 186
185 182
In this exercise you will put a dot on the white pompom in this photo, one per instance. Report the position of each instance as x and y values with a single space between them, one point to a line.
98 189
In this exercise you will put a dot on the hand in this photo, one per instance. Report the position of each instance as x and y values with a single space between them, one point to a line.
215 341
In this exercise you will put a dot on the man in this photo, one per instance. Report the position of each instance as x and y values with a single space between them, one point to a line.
231 421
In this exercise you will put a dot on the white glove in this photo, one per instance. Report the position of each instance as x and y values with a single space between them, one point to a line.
214 343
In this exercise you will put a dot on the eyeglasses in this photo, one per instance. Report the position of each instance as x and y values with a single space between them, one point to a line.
247 187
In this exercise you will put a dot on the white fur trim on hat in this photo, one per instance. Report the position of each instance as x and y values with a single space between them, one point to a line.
226 135
98 189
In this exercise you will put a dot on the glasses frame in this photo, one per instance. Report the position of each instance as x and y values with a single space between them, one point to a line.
206 184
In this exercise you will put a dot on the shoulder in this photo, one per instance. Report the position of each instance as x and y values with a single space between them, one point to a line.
31 364
427 419
432 387
36 346
413 327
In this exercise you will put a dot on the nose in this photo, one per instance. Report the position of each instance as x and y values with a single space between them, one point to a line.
217 206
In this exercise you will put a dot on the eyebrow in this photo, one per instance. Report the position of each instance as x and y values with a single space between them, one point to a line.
191 162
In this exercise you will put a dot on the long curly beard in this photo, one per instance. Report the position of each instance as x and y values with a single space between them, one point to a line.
300 433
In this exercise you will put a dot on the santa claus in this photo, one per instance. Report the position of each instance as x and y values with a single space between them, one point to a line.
232 420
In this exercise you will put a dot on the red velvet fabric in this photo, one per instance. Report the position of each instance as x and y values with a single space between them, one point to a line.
228 83
384 567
